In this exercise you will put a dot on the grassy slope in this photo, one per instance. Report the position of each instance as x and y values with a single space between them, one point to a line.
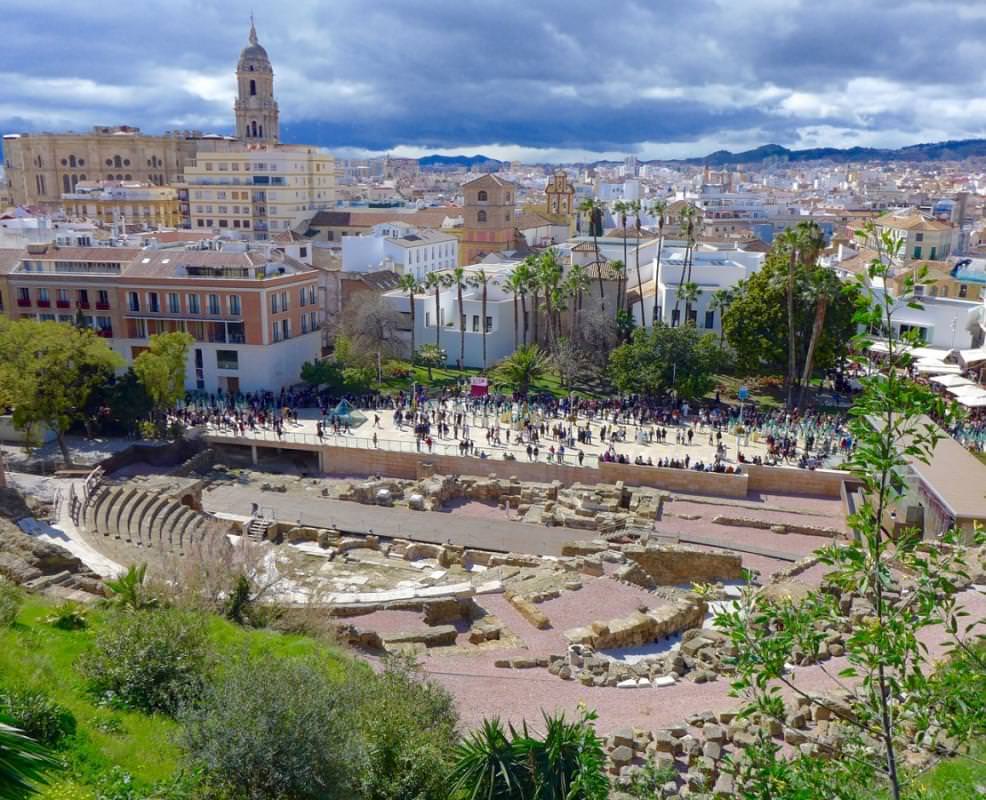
36 655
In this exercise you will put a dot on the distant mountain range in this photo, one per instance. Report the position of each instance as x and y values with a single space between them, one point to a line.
456 161
936 151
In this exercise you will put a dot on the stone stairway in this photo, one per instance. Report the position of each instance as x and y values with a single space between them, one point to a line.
257 530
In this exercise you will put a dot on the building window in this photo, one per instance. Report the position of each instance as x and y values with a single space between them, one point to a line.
963 290
133 302
227 359
489 324
919 237
102 299
284 301
43 297
286 328
301 296
475 322
214 304
481 216
710 319
675 317
62 298
482 197
311 295
275 303
427 319
193 304
253 88
234 305
174 304
152 302
917 252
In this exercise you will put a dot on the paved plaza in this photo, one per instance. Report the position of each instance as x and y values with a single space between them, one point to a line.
506 439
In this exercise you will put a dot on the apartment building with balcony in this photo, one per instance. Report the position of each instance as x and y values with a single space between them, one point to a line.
127 202
260 190
255 316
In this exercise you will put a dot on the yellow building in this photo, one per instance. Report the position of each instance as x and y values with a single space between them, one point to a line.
488 218
259 190
128 203
41 167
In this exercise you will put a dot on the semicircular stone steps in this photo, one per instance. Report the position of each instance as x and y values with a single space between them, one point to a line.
145 519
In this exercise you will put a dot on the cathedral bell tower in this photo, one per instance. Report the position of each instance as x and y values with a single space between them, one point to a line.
256 109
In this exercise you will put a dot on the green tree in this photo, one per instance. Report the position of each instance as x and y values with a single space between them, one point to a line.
431 357
756 321
49 370
822 288
521 368
718 303
516 285
689 224
897 700
622 209
658 360
272 727
409 284
161 368
619 268
24 764
689 292
324 372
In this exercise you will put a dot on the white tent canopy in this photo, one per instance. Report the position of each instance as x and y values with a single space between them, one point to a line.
973 401
969 358
952 380
937 368
971 391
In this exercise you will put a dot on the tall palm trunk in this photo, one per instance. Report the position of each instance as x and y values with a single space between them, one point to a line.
619 294
792 365
599 267
640 281
412 325
523 311
482 322
821 307
681 281
516 322
657 270
438 320
462 326
537 330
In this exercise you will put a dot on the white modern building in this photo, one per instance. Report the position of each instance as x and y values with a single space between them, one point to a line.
401 248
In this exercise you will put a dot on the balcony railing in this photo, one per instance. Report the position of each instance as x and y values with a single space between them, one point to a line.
106 333
23 302
102 306
82 304
62 304
44 303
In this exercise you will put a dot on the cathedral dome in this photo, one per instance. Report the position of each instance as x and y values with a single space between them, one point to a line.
254 51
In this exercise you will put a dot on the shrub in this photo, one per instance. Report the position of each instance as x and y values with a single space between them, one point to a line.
273 728
394 369
68 616
11 598
409 729
153 661
35 713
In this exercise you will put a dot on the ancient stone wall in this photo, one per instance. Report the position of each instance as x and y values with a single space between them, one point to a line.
669 565
790 480
640 627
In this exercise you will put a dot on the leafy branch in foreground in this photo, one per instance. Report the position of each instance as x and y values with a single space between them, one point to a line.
889 710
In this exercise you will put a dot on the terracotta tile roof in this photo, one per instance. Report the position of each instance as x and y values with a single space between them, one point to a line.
105 254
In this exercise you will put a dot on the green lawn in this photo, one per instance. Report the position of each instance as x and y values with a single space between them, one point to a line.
35 655
449 376
957 779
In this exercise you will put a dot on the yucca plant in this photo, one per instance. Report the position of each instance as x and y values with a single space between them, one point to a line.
128 592
23 764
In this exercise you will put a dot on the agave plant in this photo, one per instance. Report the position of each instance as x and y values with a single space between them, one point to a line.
489 767
23 764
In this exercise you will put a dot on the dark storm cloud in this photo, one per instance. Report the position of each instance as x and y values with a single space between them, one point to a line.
548 75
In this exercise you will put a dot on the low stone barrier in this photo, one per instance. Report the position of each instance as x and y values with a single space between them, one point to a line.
776 527
640 627
528 610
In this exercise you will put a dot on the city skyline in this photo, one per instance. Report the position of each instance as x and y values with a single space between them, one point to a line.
548 83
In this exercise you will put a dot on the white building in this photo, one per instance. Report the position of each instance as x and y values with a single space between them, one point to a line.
711 269
402 248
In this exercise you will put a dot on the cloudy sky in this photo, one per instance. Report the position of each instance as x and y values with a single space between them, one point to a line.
546 80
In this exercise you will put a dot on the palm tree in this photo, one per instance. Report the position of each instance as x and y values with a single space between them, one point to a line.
458 280
822 288
522 367
516 285
410 285
594 208
548 272
489 767
128 591
719 302
634 208
480 279
788 240
659 209
619 267
575 284
436 281
23 764
688 214
622 208
568 762
690 294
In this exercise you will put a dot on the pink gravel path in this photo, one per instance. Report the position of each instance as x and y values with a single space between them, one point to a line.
482 690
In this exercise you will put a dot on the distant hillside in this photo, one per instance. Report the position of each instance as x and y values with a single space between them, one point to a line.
457 161
775 153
